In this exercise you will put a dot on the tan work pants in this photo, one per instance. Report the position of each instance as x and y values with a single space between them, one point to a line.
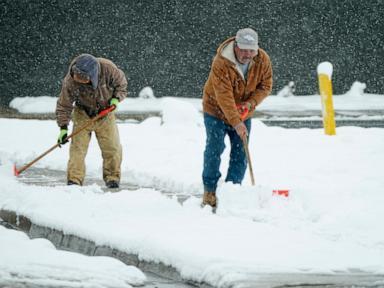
108 138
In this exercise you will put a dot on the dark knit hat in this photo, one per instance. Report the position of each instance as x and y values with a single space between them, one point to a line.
87 66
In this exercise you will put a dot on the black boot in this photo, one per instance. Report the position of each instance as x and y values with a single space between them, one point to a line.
70 182
112 184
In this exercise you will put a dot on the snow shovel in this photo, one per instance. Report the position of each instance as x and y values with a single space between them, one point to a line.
243 111
102 114
243 114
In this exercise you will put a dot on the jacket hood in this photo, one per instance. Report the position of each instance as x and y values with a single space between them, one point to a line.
226 50
88 65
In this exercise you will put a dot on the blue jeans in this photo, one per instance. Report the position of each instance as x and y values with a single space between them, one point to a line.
216 130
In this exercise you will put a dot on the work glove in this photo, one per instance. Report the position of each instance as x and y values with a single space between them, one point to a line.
62 139
114 102
241 130
243 109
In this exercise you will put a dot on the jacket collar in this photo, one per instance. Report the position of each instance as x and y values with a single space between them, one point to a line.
227 51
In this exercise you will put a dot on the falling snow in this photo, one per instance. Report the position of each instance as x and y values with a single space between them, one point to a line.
169 45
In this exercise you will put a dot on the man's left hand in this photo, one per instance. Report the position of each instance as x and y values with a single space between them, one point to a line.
241 130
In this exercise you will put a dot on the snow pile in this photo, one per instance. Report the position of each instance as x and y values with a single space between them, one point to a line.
287 90
357 89
146 93
37 262
42 104
176 112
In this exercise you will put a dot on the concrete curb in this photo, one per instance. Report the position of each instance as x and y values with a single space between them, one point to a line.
293 119
139 116
74 243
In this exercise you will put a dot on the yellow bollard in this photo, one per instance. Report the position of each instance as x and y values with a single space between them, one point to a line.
324 72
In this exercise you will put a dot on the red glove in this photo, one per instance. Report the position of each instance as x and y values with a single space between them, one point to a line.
244 109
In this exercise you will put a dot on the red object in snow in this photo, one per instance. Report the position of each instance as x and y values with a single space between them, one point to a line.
15 171
281 192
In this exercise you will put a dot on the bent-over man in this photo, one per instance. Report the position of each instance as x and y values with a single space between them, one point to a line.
91 85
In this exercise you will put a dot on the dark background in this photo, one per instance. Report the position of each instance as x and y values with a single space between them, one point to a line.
169 45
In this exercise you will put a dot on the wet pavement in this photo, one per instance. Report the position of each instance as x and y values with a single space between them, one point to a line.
48 177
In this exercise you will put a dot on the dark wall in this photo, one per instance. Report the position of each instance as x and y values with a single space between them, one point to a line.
169 45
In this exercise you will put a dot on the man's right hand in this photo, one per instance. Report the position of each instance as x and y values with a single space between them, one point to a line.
114 102
241 130
62 139
243 109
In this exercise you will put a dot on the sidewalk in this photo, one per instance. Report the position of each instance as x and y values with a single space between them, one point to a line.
79 244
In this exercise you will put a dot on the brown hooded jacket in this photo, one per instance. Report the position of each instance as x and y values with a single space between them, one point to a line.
226 86
112 84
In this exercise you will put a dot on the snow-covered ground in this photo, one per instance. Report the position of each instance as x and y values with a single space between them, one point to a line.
37 262
330 223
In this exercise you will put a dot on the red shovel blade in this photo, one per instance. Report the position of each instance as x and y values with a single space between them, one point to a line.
281 192
15 171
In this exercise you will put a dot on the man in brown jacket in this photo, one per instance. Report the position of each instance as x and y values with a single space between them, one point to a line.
91 85
239 80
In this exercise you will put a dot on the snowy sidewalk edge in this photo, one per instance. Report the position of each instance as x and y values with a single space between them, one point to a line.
74 243
134 115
